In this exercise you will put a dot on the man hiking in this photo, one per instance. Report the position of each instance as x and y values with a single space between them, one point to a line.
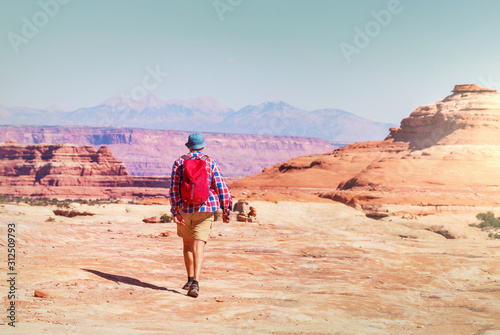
197 190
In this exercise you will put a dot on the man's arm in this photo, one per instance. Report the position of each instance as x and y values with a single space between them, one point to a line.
225 198
179 220
175 194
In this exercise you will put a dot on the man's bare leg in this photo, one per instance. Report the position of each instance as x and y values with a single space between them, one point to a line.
188 256
198 249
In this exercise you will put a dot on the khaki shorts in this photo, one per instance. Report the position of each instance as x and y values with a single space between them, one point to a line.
197 225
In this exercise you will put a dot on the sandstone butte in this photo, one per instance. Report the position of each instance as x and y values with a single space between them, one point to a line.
67 170
444 156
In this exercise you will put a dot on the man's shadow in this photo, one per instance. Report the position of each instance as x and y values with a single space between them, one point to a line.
128 280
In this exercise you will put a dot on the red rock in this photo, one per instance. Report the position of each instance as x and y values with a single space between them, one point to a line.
71 213
471 88
153 219
41 294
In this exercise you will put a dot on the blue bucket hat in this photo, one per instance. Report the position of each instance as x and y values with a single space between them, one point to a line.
196 141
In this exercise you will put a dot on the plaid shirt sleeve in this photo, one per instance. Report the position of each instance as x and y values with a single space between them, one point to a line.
175 189
220 186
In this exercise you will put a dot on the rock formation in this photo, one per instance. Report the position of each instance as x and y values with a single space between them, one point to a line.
470 116
45 169
447 153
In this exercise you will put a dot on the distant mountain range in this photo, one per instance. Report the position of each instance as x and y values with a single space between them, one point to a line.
205 114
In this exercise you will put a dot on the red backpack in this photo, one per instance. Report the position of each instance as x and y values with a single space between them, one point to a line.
194 185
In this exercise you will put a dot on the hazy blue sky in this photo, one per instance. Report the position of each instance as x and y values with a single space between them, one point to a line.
309 53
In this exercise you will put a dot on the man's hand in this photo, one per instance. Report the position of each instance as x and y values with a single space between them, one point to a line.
179 220
226 219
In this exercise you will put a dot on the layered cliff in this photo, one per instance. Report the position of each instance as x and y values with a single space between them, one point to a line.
447 153
152 152
65 169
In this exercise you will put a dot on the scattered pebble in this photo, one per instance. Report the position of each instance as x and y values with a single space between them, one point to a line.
41 294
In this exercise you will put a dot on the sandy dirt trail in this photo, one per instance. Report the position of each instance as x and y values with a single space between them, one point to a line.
305 268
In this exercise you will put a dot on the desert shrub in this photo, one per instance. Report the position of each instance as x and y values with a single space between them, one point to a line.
9 199
50 219
488 220
36 201
94 202
165 218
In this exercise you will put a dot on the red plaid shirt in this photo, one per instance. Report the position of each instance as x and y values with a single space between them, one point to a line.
220 195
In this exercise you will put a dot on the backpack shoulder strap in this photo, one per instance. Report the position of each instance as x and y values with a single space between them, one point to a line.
203 158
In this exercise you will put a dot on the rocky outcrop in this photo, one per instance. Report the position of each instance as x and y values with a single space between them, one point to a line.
71 213
40 294
453 143
46 169
469 116
443 154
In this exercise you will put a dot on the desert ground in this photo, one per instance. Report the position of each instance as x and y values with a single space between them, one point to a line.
315 267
